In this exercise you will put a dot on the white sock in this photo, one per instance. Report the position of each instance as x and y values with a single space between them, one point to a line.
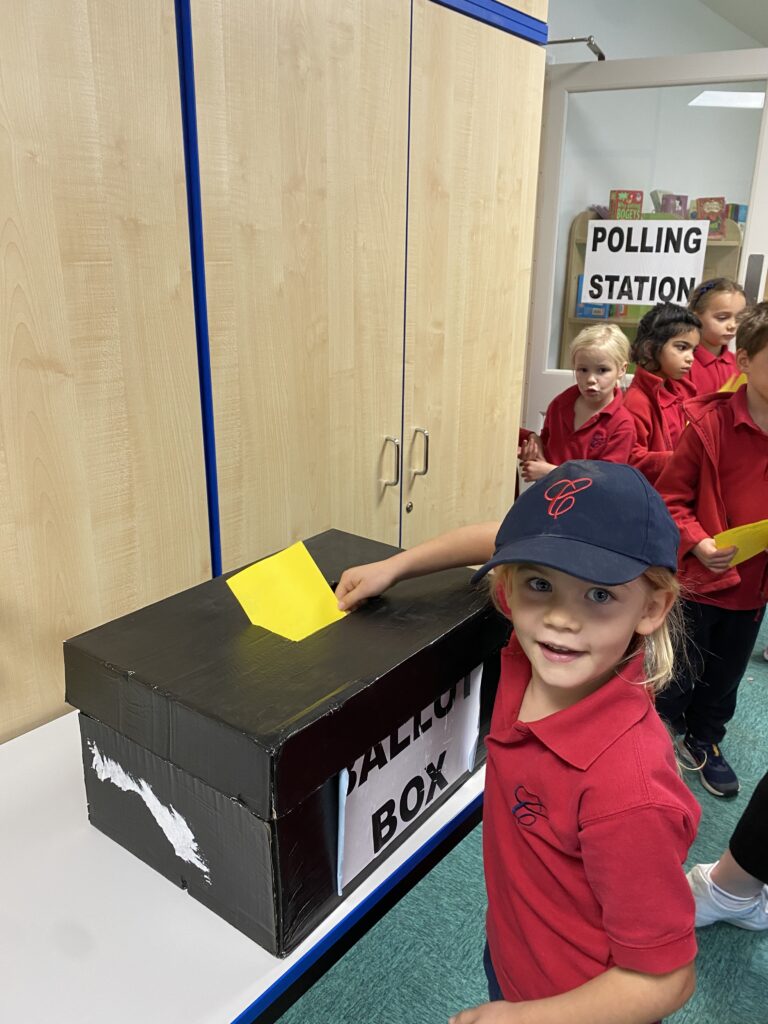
727 900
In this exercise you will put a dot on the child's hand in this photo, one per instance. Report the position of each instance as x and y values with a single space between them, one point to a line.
714 558
535 469
531 449
488 1013
363 581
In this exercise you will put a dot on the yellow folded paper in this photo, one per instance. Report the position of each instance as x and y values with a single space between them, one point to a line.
750 540
286 594
735 382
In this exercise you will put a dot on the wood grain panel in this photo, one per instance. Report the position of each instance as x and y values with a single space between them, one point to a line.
102 487
302 111
477 95
534 8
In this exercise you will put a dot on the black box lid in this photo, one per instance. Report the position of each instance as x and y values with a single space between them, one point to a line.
266 720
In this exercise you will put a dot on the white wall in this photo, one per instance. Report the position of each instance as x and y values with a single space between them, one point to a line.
646 138
640 28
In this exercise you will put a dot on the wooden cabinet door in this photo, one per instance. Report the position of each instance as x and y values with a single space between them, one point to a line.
303 123
476 115
102 482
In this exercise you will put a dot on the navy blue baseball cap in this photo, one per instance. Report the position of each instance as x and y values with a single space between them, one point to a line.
599 521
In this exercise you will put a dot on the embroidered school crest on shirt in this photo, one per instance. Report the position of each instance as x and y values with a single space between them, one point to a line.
528 807
561 496
598 439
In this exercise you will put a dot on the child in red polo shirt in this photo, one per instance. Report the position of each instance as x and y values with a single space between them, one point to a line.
587 421
718 304
718 479
586 820
663 350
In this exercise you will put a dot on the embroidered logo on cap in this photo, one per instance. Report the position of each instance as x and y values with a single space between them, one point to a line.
561 495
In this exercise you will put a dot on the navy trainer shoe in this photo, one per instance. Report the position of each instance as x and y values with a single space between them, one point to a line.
717 776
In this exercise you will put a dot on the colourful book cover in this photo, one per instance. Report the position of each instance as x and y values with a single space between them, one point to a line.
712 208
737 212
626 204
672 202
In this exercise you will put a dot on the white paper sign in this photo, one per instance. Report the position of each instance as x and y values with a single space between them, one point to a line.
642 262
394 782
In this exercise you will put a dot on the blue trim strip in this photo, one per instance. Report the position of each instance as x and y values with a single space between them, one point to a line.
195 216
491 12
292 975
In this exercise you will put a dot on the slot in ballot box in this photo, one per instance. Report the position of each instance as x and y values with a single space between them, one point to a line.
220 753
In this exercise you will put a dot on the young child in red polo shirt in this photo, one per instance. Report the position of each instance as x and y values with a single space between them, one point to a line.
587 421
586 820
663 350
718 479
717 304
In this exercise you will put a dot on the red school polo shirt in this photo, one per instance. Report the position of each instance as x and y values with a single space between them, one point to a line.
706 497
608 435
657 407
709 372
586 827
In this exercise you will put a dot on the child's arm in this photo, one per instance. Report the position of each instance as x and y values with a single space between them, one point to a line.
618 996
650 463
679 485
469 545
618 447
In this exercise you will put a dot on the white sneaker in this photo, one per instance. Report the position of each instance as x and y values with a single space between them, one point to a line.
765 653
752 916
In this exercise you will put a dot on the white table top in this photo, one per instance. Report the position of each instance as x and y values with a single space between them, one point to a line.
89 933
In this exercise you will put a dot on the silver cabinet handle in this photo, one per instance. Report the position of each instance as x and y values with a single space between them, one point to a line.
396 442
425 465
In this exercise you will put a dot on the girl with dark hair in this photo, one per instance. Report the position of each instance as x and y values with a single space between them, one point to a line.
667 337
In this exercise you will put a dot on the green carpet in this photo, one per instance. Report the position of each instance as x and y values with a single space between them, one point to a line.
422 962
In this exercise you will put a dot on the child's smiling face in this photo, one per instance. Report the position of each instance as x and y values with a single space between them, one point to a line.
575 633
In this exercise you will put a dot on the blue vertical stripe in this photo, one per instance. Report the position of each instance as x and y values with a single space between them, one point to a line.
499 15
195 215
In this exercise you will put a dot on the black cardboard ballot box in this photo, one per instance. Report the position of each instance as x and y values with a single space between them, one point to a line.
212 747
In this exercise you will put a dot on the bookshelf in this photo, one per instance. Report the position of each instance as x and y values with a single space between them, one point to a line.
721 260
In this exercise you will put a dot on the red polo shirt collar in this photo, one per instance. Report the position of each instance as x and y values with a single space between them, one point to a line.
706 358
740 410
666 392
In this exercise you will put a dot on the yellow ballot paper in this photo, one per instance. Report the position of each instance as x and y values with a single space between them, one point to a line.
750 540
286 594
735 382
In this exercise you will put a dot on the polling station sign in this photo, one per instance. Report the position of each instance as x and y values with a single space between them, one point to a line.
642 262
394 782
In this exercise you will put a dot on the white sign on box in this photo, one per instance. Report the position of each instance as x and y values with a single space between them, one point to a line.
394 782
642 262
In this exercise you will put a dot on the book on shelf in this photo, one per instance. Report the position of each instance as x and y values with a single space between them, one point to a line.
674 203
712 208
665 201
626 204
590 310
737 212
